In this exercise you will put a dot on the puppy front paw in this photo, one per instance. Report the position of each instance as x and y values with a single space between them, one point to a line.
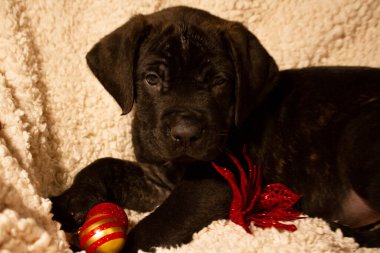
71 217
71 207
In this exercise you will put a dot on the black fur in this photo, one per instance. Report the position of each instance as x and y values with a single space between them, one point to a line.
201 85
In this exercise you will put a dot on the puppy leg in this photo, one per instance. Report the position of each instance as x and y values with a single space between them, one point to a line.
361 158
364 157
107 179
197 201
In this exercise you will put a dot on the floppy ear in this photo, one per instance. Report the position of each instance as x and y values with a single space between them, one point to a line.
256 71
113 58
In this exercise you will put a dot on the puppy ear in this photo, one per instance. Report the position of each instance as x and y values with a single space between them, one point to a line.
256 71
113 58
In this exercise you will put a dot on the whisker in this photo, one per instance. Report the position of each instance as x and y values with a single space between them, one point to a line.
222 134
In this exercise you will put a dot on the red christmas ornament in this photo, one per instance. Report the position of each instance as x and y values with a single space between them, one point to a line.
104 230
267 206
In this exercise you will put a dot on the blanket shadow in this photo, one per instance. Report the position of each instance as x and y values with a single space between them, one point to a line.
48 175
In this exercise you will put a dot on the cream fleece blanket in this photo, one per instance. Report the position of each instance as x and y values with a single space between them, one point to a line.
55 117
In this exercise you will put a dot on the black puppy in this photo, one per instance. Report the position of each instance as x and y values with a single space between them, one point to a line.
201 85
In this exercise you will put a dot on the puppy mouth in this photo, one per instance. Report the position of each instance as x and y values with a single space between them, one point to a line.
206 155
195 156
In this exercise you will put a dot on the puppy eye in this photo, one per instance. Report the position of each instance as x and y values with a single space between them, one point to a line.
152 79
219 80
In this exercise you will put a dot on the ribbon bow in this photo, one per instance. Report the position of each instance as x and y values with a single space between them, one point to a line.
266 206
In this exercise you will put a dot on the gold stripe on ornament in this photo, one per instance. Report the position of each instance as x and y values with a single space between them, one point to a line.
112 246
101 233
97 224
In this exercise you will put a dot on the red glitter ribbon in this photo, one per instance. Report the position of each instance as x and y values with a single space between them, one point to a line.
266 206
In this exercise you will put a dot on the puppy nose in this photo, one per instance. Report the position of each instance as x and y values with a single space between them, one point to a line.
186 133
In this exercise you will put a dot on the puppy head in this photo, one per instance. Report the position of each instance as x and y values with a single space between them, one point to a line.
191 77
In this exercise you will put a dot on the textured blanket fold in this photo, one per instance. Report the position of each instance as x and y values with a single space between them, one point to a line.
55 117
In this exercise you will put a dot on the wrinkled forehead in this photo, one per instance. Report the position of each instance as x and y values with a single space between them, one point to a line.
184 41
